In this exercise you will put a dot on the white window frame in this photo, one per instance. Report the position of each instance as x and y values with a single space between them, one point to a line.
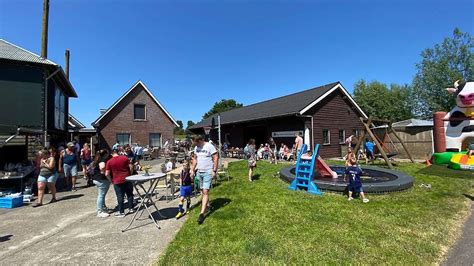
161 139
329 137
343 140
129 138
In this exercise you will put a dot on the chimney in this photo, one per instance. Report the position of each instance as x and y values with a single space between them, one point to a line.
44 34
67 55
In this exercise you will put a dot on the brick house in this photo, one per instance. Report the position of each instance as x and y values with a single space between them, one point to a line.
136 117
325 115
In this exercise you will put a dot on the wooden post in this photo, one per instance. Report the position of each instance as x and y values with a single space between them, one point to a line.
372 136
44 34
401 141
67 56
362 137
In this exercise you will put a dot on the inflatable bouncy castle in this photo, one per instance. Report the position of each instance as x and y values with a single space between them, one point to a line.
454 131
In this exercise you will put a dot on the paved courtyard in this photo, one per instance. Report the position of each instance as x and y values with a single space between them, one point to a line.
69 232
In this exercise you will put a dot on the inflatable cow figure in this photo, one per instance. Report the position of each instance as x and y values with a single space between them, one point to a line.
461 118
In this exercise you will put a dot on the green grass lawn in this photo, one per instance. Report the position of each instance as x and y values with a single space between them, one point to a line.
265 223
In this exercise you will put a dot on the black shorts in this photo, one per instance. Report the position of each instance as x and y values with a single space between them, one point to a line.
370 155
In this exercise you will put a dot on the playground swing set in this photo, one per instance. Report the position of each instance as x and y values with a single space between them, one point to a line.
383 151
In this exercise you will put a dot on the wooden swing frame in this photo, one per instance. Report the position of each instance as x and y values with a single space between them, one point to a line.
367 122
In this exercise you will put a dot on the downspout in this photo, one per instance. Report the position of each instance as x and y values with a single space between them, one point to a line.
46 105
312 129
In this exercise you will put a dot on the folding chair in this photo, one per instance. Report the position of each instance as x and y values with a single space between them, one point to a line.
224 170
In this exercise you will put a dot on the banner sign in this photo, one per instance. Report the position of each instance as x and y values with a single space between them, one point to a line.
286 134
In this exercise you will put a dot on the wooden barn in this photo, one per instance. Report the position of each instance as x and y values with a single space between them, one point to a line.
326 115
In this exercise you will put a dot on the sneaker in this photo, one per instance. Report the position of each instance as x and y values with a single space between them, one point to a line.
365 200
179 215
53 200
200 219
131 211
102 214
187 212
350 198
119 214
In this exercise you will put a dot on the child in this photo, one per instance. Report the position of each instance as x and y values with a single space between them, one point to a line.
355 185
350 156
307 156
185 191
470 149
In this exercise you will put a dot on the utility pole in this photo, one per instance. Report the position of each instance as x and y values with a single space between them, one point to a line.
44 34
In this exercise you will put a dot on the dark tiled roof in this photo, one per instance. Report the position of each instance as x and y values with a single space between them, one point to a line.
281 106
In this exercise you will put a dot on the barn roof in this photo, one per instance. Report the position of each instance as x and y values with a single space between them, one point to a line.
293 104
13 53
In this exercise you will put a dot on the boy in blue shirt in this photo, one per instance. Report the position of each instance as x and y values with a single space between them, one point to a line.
355 185
185 191
369 150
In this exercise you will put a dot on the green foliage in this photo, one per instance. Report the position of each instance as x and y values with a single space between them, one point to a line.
179 129
222 106
377 100
265 223
190 124
439 68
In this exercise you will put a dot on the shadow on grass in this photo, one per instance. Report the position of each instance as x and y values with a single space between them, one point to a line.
444 171
469 197
256 177
68 197
218 203
5 238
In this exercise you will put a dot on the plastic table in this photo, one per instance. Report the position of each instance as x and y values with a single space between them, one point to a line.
145 195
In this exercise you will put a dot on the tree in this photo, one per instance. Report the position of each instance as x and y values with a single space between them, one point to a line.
377 100
222 106
190 124
439 68
179 129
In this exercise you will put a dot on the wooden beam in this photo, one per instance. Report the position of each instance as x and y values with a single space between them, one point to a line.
372 136
362 137
401 141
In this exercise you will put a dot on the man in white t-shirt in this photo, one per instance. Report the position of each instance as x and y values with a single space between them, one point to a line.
204 166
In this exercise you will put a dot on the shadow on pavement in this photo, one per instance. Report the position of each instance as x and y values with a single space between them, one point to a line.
68 197
5 238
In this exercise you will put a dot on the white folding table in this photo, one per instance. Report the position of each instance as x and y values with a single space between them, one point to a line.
145 195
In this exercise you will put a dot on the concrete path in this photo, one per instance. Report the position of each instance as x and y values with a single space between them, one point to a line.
68 232
463 251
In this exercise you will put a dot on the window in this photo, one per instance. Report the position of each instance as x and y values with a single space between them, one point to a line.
139 112
326 137
342 136
59 109
356 132
123 138
155 140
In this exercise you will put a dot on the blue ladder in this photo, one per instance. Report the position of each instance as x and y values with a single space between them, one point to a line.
304 172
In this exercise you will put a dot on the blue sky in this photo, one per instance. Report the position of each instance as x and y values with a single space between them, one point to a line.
194 53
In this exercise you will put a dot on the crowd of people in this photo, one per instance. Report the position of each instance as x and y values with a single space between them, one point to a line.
108 168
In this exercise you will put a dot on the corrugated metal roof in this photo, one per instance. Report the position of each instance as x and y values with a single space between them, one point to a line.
413 123
282 106
9 51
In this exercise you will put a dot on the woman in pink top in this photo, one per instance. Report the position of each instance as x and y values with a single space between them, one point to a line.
86 160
